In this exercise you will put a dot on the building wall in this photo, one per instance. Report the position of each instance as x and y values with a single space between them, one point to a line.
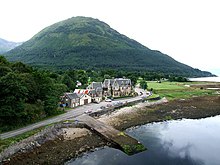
67 101
75 103
85 97
97 99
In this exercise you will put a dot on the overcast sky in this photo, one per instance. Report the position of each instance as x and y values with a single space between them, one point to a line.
187 30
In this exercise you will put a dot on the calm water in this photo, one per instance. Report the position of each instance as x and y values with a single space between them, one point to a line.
191 142
208 79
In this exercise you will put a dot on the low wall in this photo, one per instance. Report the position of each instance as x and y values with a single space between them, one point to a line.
113 108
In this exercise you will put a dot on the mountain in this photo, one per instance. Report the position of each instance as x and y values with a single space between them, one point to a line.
87 43
7 45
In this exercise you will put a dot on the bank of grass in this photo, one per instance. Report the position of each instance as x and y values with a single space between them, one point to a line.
176 90
153 97
4 143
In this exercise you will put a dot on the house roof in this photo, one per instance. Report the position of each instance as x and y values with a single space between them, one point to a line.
123 82
108 82
119 81
85 91
96 86
80 95
93 91
72 95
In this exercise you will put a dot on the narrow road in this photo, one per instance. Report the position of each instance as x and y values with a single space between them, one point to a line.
70 114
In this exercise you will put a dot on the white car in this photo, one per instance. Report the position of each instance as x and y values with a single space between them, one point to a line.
88 111
108 100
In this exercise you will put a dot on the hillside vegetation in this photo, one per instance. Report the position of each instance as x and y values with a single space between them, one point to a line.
87 43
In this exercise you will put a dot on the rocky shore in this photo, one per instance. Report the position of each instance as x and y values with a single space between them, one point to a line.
193 108
69 140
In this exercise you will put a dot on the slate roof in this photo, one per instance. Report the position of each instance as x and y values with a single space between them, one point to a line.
96 85
108 82
80 94
92 91
119 81
72 95
123 82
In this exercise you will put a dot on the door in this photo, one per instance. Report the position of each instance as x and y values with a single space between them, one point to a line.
86 101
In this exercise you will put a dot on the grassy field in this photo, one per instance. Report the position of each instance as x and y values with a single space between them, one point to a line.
176 90
165 85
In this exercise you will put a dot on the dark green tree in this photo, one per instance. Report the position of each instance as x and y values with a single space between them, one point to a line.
143 84
66 79
12 99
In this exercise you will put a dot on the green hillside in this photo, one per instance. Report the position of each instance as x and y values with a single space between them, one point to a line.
87 43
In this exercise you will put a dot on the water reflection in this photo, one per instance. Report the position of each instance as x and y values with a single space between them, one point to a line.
187 141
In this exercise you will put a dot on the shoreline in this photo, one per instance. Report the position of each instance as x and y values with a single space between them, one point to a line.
192 108
72 142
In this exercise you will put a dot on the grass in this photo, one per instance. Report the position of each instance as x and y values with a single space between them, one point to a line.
121 97
132 149
121 134
4 143
183 94
165 85
175 90
153 96
168 117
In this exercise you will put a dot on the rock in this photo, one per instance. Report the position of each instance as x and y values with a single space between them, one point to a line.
81 149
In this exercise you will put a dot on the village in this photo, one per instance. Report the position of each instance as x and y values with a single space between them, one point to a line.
97 92
86 104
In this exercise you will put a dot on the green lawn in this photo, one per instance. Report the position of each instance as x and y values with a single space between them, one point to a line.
165 85
176 90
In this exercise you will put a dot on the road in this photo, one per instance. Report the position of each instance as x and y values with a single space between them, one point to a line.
70 114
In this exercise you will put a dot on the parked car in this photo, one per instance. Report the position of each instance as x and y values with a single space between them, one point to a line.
109 105
102 107
120 103
88 111
108 100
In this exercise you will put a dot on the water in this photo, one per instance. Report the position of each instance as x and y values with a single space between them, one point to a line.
185 142
207 79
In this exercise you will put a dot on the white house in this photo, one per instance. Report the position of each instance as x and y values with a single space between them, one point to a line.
84 99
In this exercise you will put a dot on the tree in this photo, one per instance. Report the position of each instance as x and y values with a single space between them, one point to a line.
3 61
143 84
133 78
21 68
12 98
71 85
4 70
82 76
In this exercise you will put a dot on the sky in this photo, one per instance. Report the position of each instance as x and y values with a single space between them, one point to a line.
186 30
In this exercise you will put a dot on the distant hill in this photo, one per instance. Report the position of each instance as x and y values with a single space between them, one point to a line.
87 43
7 45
